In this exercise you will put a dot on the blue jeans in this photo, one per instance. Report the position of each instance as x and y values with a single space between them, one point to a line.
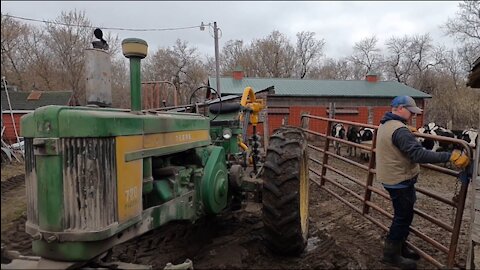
403 200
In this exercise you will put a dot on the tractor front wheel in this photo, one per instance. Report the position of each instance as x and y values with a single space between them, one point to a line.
285 192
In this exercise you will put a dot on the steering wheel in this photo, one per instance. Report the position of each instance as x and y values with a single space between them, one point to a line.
205 101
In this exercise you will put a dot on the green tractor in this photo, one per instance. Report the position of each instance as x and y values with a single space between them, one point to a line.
97 177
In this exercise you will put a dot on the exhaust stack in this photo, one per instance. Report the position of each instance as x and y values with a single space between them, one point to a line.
98 71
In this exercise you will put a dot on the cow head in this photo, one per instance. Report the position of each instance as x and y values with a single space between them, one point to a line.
338 131
431 126
435 145
366 134
470 136
353 135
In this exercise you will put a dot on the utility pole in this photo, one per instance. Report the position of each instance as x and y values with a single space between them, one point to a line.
217 64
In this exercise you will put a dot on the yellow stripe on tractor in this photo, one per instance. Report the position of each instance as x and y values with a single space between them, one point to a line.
174 138
129 178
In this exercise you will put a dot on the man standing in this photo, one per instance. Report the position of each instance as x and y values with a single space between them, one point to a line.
398 155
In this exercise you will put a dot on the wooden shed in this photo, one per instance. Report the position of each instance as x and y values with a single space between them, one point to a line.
364 101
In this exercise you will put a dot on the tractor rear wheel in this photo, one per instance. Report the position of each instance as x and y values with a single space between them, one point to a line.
285 192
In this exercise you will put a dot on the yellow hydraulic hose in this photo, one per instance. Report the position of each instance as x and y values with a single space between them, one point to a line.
243 146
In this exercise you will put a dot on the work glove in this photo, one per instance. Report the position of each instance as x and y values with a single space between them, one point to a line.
412 129
459 159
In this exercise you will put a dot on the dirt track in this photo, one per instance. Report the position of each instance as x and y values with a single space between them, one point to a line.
339 237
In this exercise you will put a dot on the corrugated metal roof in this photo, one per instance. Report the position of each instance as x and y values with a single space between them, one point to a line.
20 101
336 88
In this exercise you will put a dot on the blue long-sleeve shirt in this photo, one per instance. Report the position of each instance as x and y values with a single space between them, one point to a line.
407 143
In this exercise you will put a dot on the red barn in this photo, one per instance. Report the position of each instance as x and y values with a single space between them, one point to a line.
22 103
364 101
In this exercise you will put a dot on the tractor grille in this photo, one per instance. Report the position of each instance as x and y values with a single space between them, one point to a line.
31 182
89 183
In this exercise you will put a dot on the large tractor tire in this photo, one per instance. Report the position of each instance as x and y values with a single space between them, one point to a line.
285 192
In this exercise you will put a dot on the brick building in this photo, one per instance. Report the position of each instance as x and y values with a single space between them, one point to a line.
364 101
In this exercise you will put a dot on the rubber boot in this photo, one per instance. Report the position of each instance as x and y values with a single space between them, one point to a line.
392 254
409 253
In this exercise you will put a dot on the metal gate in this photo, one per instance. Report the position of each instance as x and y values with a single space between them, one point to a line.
365 199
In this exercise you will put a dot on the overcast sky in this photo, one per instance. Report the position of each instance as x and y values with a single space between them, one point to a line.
341 24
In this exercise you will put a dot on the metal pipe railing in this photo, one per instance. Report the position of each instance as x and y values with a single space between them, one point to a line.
459 204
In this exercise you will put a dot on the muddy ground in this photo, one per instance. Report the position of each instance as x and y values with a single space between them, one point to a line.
339 237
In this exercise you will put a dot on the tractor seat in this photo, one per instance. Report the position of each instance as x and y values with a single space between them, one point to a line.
225 108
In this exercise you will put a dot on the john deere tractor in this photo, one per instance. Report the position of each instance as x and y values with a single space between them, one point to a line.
97 177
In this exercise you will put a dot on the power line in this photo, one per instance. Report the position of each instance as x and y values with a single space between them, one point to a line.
106 28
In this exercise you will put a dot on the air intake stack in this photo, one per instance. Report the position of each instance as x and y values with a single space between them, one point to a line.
135 49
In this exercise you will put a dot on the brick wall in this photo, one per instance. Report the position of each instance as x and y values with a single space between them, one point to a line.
275 120
9 134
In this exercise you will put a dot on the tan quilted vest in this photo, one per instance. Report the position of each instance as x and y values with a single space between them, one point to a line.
393 166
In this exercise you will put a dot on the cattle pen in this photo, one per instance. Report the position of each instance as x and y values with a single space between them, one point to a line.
370 196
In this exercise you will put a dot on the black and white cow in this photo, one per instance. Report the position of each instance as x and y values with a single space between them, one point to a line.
442 146
434 145
470 136
457 133
338 131
353 135
426 143
366 134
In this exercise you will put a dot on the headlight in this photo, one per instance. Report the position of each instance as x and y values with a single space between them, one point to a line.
227 133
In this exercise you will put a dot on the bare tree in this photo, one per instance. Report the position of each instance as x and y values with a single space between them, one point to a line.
465 27
411 60
274 56
332 69
366 57
459 107
423 61
451 64
180 65
44 70
210 66
234 54
67 44
120 82
13 34
399 61
309 50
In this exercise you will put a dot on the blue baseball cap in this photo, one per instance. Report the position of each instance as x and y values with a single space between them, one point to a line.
408 103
